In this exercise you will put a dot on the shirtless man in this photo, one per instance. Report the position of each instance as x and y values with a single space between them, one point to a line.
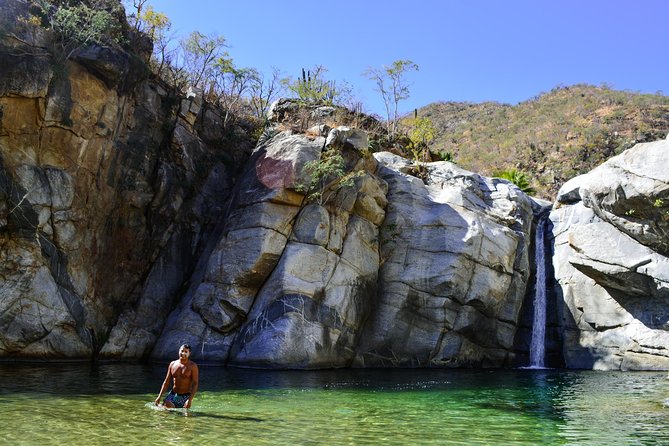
185 375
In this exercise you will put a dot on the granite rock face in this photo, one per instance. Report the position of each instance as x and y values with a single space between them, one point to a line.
454 269
612 273
390 272
288 283
108 196
134 219
131 221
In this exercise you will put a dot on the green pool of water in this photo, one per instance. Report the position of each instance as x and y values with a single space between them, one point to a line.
110 404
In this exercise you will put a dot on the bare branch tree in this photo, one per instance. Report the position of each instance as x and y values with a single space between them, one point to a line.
391 83
264 91
200 53
230 84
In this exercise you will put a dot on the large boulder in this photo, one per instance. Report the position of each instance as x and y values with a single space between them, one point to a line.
454 269
631 192
612 273
289 283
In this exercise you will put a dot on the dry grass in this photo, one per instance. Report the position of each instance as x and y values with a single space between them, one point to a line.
552 137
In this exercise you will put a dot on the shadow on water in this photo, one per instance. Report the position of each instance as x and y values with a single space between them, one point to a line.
227 417
136 379
200 414
80 378
532 392
129 379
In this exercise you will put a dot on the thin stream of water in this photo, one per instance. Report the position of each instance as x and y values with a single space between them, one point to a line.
537 345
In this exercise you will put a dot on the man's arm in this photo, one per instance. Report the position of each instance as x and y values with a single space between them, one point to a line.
193 385
166 383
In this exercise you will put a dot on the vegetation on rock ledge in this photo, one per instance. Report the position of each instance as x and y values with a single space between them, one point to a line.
550 138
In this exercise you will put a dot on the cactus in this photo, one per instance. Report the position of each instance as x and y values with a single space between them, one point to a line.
313 89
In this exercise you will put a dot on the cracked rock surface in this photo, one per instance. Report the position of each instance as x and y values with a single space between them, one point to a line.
610 261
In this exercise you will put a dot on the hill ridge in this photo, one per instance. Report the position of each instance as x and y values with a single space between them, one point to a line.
553 136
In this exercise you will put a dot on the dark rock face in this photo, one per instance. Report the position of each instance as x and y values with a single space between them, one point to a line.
107 195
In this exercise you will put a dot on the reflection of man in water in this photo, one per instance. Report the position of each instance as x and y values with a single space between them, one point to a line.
184 374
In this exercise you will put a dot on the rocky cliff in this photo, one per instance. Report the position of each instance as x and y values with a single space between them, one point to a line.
611 229
132 221
111 188
392 270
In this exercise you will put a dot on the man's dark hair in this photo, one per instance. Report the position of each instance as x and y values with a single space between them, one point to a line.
186 346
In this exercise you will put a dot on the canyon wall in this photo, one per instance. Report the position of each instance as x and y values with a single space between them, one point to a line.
132 220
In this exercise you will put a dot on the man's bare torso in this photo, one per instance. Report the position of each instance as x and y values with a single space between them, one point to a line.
182 375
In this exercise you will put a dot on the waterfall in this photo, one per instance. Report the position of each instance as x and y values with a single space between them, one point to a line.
537 347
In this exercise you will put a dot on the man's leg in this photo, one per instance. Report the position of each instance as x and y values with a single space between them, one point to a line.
168 400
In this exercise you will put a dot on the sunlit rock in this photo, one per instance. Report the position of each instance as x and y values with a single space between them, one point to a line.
610 243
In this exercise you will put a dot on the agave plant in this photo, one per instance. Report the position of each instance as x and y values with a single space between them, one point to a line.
519 178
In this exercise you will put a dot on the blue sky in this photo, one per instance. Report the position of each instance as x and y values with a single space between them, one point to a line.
467 50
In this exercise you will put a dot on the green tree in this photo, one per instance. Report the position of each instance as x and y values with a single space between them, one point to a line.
202 57
392 84
519 178
422 132
156 25
147 20
77 24
230 84
326 176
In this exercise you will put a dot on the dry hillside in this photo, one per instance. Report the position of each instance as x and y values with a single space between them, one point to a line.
552 137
